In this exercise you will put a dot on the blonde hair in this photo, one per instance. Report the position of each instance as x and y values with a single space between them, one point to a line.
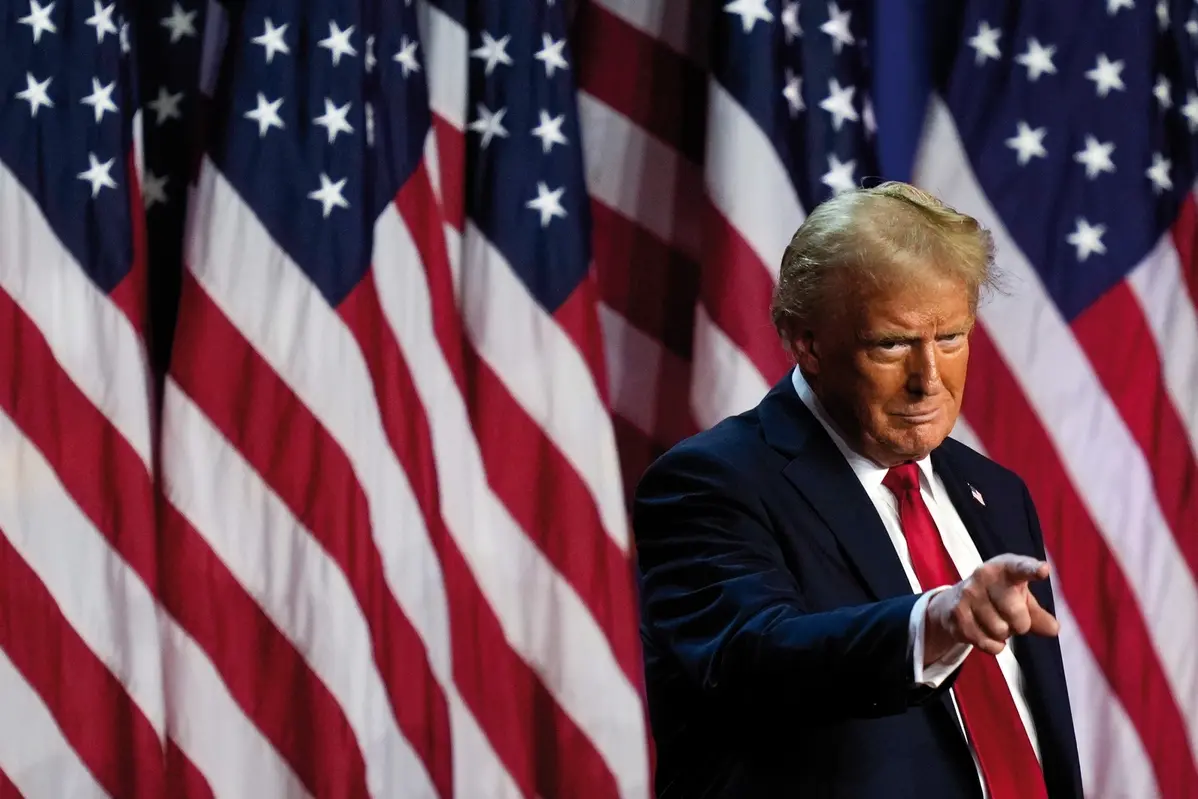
891 232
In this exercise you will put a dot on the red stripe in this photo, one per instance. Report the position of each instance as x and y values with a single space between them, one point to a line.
451 168
97 717
644 279
421 213
7 789
576 318
1119 344
641 78
220 371
261 669
263 672
185 779
131 295
1087 573
540 489
736 289
1185 239
62 423
541 746
55 416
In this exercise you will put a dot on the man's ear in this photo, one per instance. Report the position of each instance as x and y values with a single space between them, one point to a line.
806 351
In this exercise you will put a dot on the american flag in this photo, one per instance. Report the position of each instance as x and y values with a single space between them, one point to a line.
373 542
450 274
1069 130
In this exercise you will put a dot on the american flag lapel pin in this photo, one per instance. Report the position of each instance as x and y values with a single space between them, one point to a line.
976 495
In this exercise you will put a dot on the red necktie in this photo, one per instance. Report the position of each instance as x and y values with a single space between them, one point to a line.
999 739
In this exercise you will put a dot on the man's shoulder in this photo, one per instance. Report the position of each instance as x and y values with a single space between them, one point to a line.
732 449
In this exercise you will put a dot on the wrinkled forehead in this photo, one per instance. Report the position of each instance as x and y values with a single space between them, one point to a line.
925 300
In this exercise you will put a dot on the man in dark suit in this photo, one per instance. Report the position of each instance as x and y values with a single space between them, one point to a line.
837 599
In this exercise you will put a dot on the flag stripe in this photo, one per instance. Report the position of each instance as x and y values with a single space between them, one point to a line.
1090 577
224 710
726 381
749 185
7 789
1185 238
36 757
405 299
664 93
1114 762
95 344
337 388
1159 286
649 383
474 622
183 779
665 21
560 391
131 294
645 280
206 369
736 291
600 572
1115 336
308 601
97 717
263 671
641 178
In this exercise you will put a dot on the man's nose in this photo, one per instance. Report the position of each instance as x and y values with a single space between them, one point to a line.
923 369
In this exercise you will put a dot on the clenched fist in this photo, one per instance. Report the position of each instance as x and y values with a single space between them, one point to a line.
987 608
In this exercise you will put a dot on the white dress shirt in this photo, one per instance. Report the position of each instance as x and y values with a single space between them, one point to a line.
957 541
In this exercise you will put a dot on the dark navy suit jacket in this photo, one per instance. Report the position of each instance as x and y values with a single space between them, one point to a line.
775 621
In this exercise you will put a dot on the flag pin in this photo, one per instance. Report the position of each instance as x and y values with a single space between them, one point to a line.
977 495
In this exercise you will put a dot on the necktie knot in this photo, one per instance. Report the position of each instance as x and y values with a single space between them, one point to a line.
902 480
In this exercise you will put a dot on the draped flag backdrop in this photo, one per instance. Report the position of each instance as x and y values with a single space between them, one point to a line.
337 333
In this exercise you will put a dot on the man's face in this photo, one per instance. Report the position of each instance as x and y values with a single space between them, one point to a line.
890 366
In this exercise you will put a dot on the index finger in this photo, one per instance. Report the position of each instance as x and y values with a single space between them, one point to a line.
1020 568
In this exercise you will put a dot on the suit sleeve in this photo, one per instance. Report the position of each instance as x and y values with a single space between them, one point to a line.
717 596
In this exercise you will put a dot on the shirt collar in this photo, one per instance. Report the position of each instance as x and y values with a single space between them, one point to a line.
869 473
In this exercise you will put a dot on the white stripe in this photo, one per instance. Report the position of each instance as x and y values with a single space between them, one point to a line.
747 181
214 733
542 369
1103 461
634 365
567 649
1160 288
668 21
93 341
1113 761
965 434
33 752
641 177
292 578
725 381
1114 764
446 65
312 351
505 324
638 367
103 599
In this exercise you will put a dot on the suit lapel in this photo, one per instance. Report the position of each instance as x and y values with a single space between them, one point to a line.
968 505
819 472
